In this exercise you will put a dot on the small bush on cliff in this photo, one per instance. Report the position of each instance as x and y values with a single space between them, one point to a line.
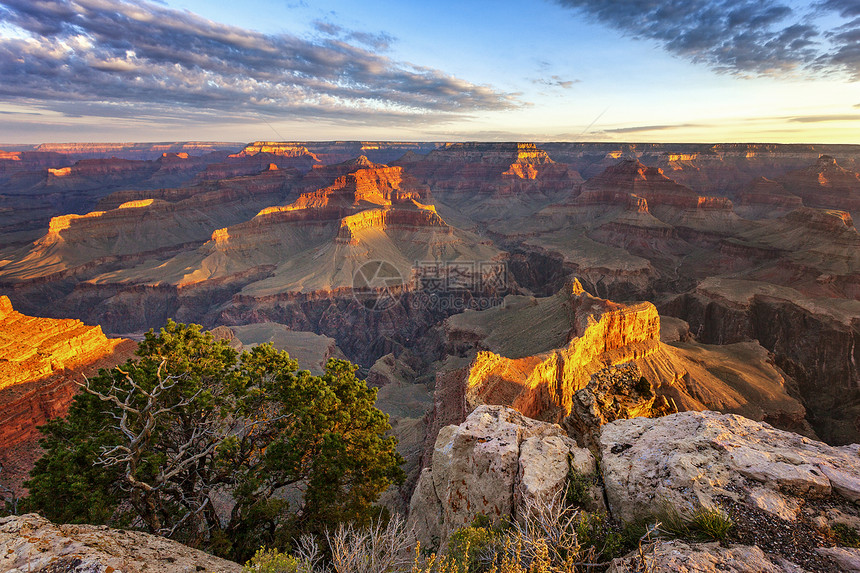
475 547
219 450
846 535
704 524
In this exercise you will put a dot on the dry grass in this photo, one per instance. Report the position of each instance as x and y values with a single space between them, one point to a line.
546 538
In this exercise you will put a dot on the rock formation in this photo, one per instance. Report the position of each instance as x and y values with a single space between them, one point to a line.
491 180
826 185
33 348
41 359
775 486
587 361
283 243
822 356
674 555
32 543
492 464
765 198
37 190
784 493
139 151
745 461
613 393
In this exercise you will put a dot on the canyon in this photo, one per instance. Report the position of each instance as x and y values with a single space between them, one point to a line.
41 362
579 284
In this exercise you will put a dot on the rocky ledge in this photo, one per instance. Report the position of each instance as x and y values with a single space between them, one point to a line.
789 498
30 543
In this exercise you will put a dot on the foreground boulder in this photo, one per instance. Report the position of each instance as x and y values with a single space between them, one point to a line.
675 556
695 459
790 496
31 543
495 464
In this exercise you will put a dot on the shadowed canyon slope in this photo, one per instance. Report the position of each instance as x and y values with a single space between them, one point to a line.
747 256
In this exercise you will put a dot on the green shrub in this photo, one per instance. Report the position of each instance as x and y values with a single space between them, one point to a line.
672 522
705 524
711 523
271 561
845 535
150 441
578 488
600 536
473 547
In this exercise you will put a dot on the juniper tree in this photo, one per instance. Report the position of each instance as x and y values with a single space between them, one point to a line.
217 449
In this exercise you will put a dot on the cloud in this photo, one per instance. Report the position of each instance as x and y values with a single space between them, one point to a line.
823 118
379 42
556 82
744 37
111 57
639 128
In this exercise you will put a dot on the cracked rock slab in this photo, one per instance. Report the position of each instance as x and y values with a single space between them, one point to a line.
687 460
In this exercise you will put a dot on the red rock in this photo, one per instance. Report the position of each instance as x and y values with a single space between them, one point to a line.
825 185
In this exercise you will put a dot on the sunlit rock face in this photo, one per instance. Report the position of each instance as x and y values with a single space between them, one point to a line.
32 348
544 386
139 151
583 361
278 232
487 181
41 362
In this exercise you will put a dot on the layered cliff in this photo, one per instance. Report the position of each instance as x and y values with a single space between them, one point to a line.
825 185
288 263
816 340
261 156
765 198
492 180
140 151
708 169
543 385
41 359
33 348
31 197
134 226
583 360
286 244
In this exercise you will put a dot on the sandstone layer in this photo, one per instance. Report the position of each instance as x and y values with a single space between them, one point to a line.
33 348
284 243
585 360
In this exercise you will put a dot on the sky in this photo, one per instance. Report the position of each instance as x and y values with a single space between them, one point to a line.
781 71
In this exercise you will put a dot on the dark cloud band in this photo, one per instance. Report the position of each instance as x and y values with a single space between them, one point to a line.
92 55
760 37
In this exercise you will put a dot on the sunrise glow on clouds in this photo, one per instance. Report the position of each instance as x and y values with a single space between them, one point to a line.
663 70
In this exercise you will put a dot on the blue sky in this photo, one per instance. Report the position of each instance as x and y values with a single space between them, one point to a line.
579 70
